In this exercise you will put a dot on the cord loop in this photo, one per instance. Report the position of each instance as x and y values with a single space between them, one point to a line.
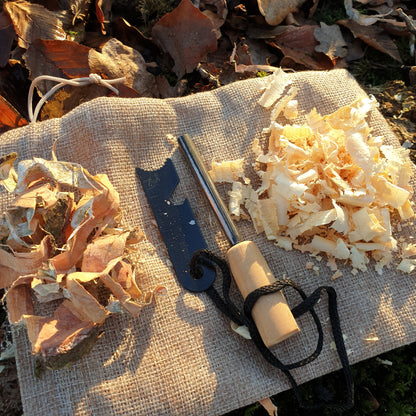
76 82
225 305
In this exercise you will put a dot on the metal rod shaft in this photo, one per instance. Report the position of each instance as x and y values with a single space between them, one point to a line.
214 198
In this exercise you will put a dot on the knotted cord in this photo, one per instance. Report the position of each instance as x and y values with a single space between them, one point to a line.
226 306
76 82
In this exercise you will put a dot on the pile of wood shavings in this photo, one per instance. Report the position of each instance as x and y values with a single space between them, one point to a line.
327 186
61 240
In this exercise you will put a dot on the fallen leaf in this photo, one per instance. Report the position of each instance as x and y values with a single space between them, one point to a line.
255 32
372 2
298 45
14 86
33 21
394 28
355 47
373 36
130 36
313 8
7 35
103 13
187 35
275 11
67 98
67 59
9 116
218 17
100 15
216 21
59 58
7 276
220 7
363 19
331 42
117 60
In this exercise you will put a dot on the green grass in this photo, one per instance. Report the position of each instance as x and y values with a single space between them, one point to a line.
376 68
330 12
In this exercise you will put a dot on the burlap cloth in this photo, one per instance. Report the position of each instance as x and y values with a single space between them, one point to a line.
180 357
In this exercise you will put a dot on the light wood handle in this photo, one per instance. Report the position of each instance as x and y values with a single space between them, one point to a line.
271 313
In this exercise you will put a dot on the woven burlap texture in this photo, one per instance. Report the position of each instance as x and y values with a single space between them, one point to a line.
180 356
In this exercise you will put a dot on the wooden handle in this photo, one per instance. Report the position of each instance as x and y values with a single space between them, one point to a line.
271 313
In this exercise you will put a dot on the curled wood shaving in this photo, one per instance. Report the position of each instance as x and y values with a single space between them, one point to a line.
327 186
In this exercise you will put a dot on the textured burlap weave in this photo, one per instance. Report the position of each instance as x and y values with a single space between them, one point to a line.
180 357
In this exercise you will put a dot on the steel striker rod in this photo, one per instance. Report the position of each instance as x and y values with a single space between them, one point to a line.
214 198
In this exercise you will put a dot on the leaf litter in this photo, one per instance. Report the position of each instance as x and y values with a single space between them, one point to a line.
182 47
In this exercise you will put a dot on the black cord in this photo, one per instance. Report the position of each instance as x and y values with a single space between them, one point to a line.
226 306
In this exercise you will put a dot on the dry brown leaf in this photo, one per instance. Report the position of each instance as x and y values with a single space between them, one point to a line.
7 35
117 60
218 17
373 36
67 98
275 11
103 13
131 36
331 42
187 35
364 19
60 58
216 21
33 21
298 44
220 7
9 116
